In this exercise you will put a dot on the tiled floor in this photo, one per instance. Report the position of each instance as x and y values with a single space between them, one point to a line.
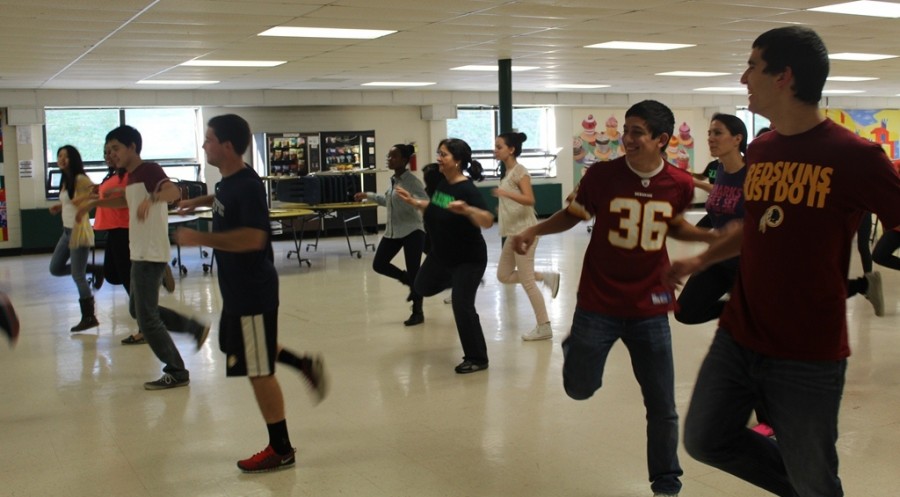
75 420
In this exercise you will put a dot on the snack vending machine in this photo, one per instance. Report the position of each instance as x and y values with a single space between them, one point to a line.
348 150
287 154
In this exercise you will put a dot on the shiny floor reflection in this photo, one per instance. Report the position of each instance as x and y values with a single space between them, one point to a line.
399 422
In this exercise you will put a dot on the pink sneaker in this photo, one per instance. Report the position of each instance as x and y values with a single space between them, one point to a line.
764 430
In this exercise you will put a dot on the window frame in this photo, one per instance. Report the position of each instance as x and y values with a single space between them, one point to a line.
175 166
540 161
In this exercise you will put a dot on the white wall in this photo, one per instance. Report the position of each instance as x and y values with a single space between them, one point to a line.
395 116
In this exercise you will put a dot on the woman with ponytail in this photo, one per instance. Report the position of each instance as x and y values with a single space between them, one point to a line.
454 217
516 214
403 230
77 237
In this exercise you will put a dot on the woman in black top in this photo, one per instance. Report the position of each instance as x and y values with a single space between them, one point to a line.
454 217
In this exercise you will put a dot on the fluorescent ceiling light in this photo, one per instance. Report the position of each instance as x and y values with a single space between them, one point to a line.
863 8
301 32
175 82
492 68
865 57
577 86
638 45
851 79
400 83
692 74
233 63
722 89
842 92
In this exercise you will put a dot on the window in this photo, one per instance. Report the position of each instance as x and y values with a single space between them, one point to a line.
170 137
478 126
754 122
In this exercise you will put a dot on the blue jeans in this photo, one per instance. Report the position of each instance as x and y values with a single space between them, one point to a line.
78 268
154 320
649 342
801 397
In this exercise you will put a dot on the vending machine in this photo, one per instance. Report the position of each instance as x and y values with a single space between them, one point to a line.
348 150
287 154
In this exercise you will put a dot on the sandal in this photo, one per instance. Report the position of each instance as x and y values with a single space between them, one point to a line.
131 340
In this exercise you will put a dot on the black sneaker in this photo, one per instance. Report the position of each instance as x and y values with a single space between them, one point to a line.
9 323
201 335
166 381
467 367
168 281
313 370
97 277
414 319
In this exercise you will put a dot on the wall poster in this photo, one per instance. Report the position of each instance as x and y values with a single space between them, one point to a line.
881 126
604 142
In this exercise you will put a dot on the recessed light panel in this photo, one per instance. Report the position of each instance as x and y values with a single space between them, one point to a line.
493 68
863 8
233 63
175 82
863 57
400 83
302 32
638 45
692 74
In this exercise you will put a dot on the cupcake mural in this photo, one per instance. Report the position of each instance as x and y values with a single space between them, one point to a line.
672 149
578 152
685 160
603 151
589 130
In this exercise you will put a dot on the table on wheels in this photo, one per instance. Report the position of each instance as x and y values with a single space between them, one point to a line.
284 216
345 211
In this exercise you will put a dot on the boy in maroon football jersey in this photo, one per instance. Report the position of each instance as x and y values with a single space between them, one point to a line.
636 200
782 338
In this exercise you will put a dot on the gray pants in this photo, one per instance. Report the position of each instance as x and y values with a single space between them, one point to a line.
155 321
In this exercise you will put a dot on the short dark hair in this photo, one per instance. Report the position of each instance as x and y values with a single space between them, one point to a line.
406 151
231 128
461 151
513 139
658 117
128 136
801 49
735 126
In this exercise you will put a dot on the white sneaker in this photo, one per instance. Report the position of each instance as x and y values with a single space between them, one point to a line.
540 332
874 294
551 281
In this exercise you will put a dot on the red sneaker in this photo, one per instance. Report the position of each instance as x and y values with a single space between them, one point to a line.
764 430
267 460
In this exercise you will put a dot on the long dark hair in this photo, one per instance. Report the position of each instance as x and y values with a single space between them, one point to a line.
512 139
76 167
461 151
735 126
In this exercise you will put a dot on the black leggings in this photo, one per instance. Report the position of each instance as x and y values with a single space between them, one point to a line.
464 278
883 254
117 258
863 234
701 298
412 245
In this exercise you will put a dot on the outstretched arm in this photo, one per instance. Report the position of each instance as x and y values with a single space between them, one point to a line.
559 222
726 246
